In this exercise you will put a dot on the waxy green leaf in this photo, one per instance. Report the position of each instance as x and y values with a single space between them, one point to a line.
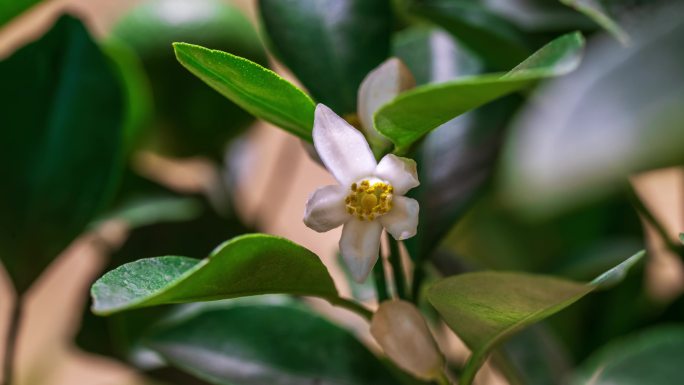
652 357
244 266
330 45
485 308
258 90
61 140
416 112
278 344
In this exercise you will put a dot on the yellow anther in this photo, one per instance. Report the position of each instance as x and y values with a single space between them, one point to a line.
369 201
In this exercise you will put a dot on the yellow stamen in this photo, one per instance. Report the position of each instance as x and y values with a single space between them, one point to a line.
369 201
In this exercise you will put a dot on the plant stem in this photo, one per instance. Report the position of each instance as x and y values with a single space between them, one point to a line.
380 281
647 215
418 276
351 306
11 341
397 269
443 379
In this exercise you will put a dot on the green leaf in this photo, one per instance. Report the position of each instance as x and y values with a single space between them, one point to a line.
279 344
258 90
485 308
247 265
594 128
11 8
500 43
595 11
62 133
415 113
330 45
190 118
650 357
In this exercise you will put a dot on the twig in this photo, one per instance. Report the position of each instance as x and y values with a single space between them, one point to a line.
352 306
11 341
647 215
380 281
397 269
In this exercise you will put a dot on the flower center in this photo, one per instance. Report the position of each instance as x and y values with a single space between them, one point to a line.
368 201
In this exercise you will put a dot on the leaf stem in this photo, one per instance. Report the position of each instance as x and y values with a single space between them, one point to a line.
380 281
11 341
351 306
647 215
397 269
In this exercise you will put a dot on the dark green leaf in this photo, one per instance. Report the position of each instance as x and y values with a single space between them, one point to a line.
330 44
256 89
491 37
249 344
63 112
415 113
595 128
247 265
485 308
651 357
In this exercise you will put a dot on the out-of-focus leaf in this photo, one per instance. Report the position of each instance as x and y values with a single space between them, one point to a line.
330 45
190 118
139 104
485 308
537 356
578 245
11 8
62 116
149 211
416 112
651 357
433 56
244 266
246 344
595 11
620 113
493 38
256 89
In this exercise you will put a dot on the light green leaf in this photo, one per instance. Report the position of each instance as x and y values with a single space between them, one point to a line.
485 308
62 144
279 344
415 113
246 265
595 11
652 357
330 45
619 114
258 90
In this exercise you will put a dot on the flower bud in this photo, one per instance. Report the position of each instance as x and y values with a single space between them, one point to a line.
403 334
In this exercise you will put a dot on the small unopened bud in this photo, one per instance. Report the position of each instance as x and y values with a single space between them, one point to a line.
403 334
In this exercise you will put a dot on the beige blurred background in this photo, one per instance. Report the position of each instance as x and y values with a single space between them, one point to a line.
46 355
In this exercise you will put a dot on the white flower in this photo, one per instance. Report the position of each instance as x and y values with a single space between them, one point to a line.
369 197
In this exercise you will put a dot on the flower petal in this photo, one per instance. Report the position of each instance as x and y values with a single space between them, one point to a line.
380 86
402 173
360 246
402 220
342 148
325 209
